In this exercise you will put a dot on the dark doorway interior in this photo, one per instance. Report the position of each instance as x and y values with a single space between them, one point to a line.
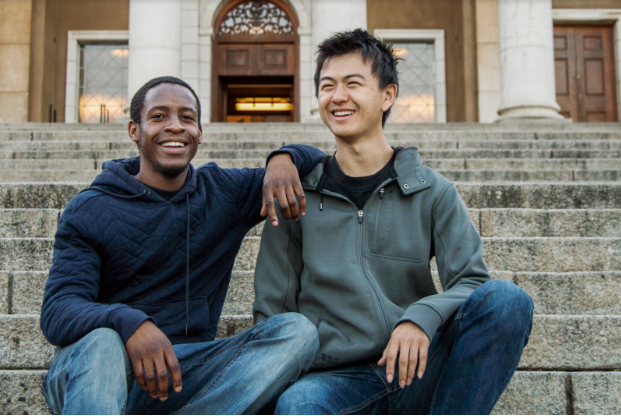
258 99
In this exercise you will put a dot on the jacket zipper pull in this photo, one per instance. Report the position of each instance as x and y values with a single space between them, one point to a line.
360 214
381 193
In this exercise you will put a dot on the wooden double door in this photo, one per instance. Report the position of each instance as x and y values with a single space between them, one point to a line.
585 72
258 73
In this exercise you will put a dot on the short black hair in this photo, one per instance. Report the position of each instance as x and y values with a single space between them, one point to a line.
383 59
138 99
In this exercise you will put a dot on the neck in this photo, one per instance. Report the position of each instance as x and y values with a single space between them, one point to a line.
159 181
364 156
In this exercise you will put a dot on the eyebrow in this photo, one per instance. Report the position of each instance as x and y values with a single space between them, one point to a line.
346 77
165 108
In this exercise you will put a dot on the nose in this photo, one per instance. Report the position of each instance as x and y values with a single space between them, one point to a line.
174 125
340 94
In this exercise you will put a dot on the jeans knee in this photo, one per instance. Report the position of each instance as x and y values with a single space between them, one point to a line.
510 304
103 348
300 400
303 333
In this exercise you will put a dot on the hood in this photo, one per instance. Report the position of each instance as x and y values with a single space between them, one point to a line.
117 177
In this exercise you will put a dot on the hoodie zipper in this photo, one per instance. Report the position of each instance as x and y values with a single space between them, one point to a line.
373 288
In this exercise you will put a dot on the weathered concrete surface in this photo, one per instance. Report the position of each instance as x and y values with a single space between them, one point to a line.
4 293
21 393
560 342
240 296
507 175
538 164
21 176
26 253
580 195
38 195
552 254
596 393
550 223
28 289
534 393
28 223
42 164
22 344
247 257
578 293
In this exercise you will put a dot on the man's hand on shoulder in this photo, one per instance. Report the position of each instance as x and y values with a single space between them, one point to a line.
283 182
411 344
152 355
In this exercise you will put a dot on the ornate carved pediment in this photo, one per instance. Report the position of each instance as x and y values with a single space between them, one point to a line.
256 18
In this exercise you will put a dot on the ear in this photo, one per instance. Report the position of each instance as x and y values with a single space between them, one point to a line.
132 127
200 133
390 96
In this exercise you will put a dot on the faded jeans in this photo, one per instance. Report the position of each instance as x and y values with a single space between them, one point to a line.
470 363
236 375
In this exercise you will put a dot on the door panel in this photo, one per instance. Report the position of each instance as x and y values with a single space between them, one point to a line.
276 60
237 59
584 59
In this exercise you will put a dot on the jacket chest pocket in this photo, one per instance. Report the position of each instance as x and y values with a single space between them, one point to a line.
383 218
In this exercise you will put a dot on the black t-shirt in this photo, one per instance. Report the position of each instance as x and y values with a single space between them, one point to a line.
357 189
167 195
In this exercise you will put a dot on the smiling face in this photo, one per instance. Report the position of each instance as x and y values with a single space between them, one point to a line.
169 132
351 103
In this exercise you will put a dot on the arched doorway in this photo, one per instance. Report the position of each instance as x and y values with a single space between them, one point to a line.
255 70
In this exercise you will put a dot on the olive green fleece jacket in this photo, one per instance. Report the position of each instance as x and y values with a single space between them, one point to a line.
357 274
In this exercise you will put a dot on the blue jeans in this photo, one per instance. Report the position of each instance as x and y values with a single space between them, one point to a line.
470 362
236 375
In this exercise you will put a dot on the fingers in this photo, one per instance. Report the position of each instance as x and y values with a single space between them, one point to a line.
412 364
404 361
175 369
297 187
162 378
283 203
422 355
151 378
268 201
391 357
139 374
293 203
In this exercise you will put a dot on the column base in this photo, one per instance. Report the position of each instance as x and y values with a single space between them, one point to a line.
537 112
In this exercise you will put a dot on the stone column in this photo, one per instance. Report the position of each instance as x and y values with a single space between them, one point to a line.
331 16
526 60
154 41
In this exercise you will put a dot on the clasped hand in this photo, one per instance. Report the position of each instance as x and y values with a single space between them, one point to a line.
411 344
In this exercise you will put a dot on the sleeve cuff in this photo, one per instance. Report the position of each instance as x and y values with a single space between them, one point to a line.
286 151
423 316
126 321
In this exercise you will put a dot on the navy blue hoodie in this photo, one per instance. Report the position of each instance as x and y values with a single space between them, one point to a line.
121 251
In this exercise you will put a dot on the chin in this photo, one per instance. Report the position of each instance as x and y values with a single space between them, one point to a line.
171 171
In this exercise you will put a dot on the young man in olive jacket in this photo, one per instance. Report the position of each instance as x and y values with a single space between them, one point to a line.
358 265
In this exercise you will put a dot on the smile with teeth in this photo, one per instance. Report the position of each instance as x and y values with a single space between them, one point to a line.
173 144
343 113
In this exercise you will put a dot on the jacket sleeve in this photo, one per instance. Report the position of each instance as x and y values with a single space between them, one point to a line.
249 182
70 309
459 250
278 271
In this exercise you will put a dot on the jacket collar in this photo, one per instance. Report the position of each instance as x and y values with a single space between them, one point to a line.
118 176
408 165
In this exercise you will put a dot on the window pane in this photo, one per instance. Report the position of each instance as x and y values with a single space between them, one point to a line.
417 84
103 82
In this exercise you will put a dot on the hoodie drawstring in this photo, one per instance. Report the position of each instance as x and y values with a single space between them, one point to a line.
187 266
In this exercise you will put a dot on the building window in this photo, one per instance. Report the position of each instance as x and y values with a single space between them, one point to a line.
417 83
256 18
102 82
422 78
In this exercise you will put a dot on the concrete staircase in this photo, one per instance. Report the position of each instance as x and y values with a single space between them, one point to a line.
545 198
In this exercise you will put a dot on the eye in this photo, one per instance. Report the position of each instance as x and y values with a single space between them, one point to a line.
326 86
353 83
188 117
157 116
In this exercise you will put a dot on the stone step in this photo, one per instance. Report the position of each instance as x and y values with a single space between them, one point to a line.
254 154
22 176
533 195
324 143
557 342
314 132
497 222
590 166
577 293
535 254
528 393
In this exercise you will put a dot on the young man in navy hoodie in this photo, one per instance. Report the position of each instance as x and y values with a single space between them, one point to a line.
142 263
